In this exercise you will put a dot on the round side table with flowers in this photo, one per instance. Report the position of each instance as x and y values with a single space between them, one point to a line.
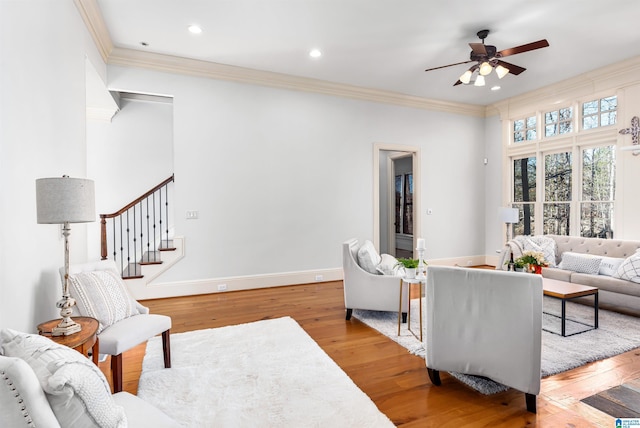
533 261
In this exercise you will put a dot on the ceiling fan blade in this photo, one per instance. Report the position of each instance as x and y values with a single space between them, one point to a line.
457 83
478 48
513 69
450 65
524 48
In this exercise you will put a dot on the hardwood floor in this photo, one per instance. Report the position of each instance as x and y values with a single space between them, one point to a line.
394 379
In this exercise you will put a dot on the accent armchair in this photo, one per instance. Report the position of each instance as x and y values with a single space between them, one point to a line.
101 293
485 323
363 290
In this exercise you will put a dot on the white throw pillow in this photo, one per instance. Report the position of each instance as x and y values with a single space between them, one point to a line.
609 266
76 389
388 265
368 257
630 268
543 244
580 263
103 295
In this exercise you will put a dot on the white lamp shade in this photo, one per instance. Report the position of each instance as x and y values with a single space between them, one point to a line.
466 77
479 81
501 71
508 215
485 69
65 200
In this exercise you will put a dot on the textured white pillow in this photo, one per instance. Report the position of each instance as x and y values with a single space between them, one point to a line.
103 295
76 389
630 269
543 244
580 263
388 265
368 257
609 266
22 399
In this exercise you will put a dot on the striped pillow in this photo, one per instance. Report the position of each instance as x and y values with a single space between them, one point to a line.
103 295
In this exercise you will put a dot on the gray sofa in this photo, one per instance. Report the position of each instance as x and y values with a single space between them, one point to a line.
622 295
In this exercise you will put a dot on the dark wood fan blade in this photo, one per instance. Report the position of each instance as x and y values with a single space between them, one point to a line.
450 65
513 69
478 48
524 48
457 83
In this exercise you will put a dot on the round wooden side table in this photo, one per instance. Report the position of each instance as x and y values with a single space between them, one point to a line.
82 341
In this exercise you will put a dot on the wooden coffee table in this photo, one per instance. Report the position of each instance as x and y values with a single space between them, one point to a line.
566 291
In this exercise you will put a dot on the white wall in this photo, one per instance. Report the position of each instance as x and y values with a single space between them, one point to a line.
280 178
42 134
494 232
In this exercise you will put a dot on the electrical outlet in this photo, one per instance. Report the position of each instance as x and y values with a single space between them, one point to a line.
191 215
222 287
429 211
319 277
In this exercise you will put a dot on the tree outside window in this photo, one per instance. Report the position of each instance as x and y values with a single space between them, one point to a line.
557 193
524 194
598 192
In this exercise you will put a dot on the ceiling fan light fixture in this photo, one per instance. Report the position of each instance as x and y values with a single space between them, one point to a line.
501 71
479 80
485 68
466 77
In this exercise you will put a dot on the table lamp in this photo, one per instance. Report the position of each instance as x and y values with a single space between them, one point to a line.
64 200
509 216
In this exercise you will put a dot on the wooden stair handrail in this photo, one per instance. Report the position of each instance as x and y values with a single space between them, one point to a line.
138 199
104 217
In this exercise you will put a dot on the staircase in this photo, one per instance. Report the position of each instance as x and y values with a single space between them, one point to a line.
138 233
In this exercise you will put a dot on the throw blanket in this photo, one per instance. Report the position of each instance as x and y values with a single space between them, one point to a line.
522 243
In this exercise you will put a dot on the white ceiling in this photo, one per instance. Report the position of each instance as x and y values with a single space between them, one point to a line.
385 44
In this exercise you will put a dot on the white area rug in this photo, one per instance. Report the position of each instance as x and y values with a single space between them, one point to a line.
264 374
617 333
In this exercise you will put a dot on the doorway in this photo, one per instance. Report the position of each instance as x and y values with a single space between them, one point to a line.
397 222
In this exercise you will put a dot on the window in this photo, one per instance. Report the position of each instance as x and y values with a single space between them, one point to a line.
524 194
557 193
558 122
602 112
524 129
404 203
598 192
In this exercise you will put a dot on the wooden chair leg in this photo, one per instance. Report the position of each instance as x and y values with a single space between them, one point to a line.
116 372
166 348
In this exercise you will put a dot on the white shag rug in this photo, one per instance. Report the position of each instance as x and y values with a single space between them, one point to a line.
268 373
616 333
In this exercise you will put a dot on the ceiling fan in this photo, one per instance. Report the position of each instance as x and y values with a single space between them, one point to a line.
488 58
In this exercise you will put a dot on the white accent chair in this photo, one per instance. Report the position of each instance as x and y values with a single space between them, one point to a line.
485 323
363 290
129 332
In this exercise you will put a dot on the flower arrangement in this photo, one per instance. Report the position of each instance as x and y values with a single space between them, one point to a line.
532 258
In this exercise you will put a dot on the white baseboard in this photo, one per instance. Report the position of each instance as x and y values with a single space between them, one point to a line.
213 285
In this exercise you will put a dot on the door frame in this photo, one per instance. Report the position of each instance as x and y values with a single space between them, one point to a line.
414 152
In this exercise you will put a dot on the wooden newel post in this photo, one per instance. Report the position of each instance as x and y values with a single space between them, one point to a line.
103 237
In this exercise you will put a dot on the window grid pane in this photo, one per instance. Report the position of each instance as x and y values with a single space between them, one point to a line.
596 220
524 177
526 219
601 112
557 177
524 129
556 218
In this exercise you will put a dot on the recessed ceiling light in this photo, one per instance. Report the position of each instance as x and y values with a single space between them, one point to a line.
315 53
495 88
194 29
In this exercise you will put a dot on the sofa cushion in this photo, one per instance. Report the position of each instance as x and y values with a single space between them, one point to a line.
606 283
388 265
368 257
630 268
581 263
557 273
609 265
76 389
142 414
22 400
103 295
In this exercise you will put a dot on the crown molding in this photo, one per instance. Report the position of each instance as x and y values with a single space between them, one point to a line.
212 70
92 17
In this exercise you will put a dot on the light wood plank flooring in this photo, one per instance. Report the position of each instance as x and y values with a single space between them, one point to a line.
394 379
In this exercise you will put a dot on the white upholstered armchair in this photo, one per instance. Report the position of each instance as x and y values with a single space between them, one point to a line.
485 323
364 290
100 293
